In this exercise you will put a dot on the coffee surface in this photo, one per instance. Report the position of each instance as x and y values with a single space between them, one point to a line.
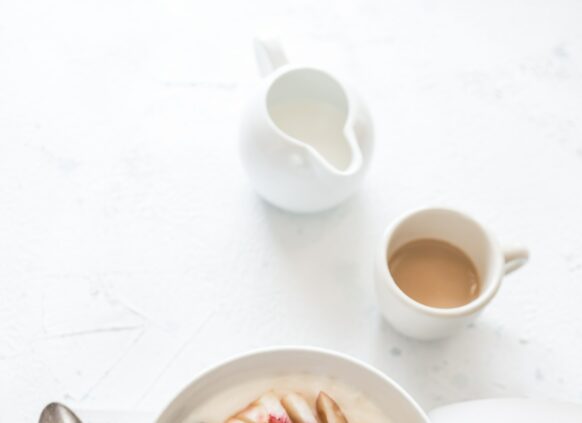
435 273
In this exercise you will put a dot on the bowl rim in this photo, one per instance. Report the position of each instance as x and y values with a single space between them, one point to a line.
291 349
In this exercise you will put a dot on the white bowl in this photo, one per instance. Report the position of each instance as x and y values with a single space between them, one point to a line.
384 392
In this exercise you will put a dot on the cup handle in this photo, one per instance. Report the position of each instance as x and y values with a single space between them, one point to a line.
270 55
514 257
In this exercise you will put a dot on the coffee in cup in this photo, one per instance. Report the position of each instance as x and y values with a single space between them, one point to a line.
437 269
435 273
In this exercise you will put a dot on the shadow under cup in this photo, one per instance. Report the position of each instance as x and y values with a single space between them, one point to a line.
462 232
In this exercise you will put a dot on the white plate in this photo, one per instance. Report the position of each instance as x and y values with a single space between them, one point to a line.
390 397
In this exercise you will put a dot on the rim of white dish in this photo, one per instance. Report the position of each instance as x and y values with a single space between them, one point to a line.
290 349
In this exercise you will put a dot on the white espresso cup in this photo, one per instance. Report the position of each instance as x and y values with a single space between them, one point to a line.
492 262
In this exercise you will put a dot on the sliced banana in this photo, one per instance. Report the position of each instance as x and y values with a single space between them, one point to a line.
292 408
298 409
273 406
267 409
254 413
328 410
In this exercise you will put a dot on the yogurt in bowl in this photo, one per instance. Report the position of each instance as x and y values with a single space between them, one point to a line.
364 394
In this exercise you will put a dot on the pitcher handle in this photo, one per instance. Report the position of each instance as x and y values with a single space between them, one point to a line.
515 257
270 55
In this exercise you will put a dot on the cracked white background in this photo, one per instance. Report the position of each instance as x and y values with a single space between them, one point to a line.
133 252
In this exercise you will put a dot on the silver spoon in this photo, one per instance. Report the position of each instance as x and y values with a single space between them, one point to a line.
58 413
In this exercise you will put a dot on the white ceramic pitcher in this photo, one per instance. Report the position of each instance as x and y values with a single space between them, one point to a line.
306 139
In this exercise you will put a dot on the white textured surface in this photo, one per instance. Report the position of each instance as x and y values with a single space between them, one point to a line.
133 252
